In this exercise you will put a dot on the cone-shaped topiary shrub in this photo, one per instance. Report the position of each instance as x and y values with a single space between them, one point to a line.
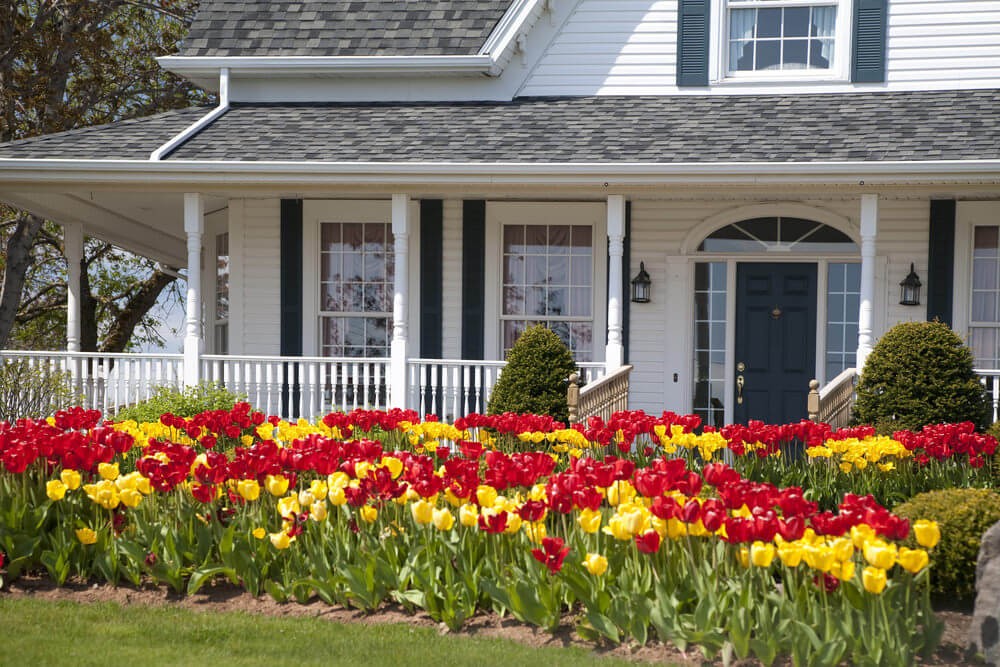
920 373
963 515
534 379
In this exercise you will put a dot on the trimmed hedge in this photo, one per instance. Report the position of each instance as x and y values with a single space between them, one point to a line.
920 373
534 379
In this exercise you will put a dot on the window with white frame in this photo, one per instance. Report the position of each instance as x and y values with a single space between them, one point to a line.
548 278
356 279
984 327
221 319
780 35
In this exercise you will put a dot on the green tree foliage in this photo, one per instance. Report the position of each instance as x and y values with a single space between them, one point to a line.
66 64
963 515
920 373
186 402
534 379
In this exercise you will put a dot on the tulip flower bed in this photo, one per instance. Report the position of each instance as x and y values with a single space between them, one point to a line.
633 526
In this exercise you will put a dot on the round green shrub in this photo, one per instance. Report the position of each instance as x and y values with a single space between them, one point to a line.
920 373
963 516
186 402
534 379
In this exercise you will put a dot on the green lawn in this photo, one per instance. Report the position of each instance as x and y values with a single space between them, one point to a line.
37 632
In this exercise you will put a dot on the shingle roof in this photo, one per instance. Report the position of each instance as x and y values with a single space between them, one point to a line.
897 126
125 140
341 27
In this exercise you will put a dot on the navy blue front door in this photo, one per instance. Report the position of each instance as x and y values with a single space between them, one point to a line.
775 341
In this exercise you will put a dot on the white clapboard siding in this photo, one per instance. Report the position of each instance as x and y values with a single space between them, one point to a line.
451 265
261 245
629 47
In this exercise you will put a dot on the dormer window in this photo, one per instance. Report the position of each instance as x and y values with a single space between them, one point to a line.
768 35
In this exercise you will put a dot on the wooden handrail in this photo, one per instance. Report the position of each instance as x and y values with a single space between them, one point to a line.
599 398
833 403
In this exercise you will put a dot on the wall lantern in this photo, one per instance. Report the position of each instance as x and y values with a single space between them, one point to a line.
909 289
640 285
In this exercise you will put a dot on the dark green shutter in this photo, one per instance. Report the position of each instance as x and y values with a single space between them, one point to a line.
692 42
473 278
431 219
941 260
291 278
290 294
868 45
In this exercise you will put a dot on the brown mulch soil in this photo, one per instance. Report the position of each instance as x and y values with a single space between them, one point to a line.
222 596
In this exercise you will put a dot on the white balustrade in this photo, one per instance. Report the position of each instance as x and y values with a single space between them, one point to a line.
105 381
307 387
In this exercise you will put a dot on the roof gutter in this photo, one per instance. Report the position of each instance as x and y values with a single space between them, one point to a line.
178 139
50 171
203 66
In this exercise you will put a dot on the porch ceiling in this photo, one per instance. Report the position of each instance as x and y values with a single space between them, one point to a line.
150 224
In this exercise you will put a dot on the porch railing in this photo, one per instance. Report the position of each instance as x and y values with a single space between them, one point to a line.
452 388
307 387
990 378
106 381
832 404
599 398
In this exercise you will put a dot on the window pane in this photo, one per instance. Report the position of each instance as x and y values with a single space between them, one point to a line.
768 22
824 20
710 341
768 55
513 239
795 54
796 22
985 239
559 239
559 270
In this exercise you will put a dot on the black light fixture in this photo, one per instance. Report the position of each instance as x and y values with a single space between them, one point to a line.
640 285
909 289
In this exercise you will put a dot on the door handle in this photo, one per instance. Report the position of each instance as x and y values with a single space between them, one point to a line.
739 389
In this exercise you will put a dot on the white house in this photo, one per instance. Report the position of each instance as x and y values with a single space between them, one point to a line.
391 191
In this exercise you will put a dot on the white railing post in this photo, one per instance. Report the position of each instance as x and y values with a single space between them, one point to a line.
614 355
869 228
194 227
400 329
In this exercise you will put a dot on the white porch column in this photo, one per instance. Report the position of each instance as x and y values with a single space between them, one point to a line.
194 227
400 326
869 227
73 249
614 354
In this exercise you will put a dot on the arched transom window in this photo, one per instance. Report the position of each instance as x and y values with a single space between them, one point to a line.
778 234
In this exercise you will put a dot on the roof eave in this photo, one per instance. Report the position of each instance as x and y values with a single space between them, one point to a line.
202 67
36 172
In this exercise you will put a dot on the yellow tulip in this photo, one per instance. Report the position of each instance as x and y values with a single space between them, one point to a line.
843 549
248 489
131 498
589 520
761 554
394 465
71 479
317 510
86 536
873 579
288 506
596 564
486 495
880 554
422 511
306 498
468 515
790 553
676 529
744 557
535 530
108 471
443 519
369 513
338 480
280 540
318 488
259 533
276 485
337 496
513 523
913 560
55 490
928 533
846 571
860 534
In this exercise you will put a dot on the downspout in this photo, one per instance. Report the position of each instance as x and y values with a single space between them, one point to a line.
178 139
